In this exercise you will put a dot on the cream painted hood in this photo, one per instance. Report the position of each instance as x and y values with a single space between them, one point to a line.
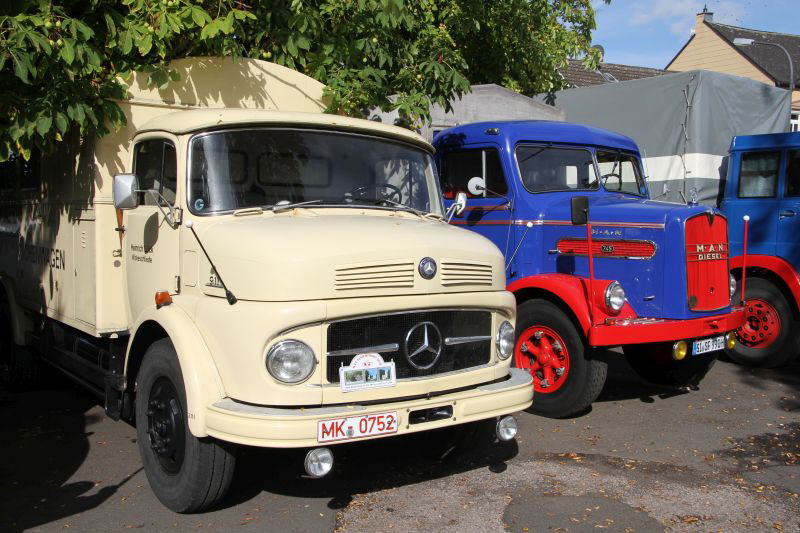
313 254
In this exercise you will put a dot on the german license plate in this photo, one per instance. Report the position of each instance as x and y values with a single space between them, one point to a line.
712 344
354 427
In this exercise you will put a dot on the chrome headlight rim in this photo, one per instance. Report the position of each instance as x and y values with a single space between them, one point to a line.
732 284
273 351
504 341
614 297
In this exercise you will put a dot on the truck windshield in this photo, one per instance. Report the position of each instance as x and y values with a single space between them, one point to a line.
265 167
555 169
620 172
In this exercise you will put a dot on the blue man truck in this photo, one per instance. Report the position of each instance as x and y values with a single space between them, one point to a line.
763 184
592 261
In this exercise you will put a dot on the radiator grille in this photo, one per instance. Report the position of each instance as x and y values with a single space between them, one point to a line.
382 275
620 249
392 330
465 273
707 279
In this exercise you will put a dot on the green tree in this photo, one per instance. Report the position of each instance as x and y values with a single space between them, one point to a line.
61 61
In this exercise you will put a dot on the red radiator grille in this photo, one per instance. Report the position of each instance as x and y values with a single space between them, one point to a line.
707 262
608 248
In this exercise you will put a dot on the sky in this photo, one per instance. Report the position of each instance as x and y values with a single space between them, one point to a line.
648 33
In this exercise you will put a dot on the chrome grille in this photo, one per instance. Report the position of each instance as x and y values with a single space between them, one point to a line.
466 340
466 273
386 274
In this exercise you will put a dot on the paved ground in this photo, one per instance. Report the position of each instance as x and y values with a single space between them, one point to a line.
644 459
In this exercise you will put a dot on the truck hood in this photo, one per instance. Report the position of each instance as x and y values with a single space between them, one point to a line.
312 254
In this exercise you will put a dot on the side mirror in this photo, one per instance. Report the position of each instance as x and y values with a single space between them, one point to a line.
125 189
579 210
477 186
457 207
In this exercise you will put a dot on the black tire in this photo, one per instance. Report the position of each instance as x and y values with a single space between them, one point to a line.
186 473
654 363
19 368
586 374
785 346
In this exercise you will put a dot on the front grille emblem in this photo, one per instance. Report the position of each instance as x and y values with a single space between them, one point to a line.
427 268
423 345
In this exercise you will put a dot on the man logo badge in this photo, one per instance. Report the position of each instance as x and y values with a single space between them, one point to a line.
427 268
423 345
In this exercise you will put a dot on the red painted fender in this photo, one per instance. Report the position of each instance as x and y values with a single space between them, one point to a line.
574 292
780 267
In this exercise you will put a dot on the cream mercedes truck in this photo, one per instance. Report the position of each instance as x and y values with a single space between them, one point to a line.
236 267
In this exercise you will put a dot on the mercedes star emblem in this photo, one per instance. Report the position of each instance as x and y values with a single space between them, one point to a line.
427 268
423 345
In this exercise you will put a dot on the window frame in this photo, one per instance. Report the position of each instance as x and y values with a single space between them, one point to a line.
165 140
777 187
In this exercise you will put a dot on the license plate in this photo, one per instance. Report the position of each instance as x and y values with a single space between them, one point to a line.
711 344
354 427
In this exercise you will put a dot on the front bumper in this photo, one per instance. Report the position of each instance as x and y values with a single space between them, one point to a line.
274 427
649 330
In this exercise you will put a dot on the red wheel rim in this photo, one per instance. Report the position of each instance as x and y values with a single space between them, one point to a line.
543 352
762 325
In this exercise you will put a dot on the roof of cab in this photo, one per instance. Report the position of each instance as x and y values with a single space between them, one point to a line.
765 140
180 122
538 131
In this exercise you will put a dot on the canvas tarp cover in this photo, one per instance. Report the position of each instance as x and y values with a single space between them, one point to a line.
683 124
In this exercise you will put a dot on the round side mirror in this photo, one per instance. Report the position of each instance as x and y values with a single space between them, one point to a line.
476 186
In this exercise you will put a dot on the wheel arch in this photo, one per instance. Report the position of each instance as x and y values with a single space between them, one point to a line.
201 379
565 292
775 270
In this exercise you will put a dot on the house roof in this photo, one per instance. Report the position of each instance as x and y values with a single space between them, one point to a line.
577 75
768 58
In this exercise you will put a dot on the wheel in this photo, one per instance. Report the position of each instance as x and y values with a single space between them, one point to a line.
19 369
654 363
566 379
770 336
186 473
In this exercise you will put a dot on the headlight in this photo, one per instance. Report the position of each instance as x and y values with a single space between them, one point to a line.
291 361
505 340
615 297
731 284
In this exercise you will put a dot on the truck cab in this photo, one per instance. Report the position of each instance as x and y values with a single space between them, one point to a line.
649 276
763 185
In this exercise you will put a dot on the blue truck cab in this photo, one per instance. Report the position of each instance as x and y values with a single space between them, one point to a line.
763 184
662 288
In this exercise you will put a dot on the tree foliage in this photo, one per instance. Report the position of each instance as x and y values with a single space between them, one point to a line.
61 61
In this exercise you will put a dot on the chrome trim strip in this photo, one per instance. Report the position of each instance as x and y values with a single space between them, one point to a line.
431 376
381 348
450 341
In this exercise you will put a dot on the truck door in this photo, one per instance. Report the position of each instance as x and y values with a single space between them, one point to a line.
757 196
151 243
788 241
488 208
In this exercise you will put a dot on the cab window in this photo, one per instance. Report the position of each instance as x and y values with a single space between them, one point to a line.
793 173
758 175
155 166
620 172
459 167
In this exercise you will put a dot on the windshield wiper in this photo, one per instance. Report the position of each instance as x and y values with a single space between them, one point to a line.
391 203
280 207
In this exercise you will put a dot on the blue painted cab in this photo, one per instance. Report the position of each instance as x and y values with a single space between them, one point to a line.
763 183
671 260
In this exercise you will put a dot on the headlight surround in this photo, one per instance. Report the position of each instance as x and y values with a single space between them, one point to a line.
615 297
505 340
291 361
731 284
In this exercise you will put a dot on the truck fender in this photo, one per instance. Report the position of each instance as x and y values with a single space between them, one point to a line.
776 265
200 375
573 292
18 321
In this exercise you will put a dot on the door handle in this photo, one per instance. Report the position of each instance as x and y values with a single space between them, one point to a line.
787 213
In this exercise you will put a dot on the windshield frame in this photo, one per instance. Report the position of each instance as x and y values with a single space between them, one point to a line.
434 185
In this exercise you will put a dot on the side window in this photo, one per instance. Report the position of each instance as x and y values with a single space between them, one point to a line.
758 176
156 168
793 173
460 166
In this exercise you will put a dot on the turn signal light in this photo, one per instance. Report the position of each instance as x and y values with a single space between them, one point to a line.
163 298
730 340
679 350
